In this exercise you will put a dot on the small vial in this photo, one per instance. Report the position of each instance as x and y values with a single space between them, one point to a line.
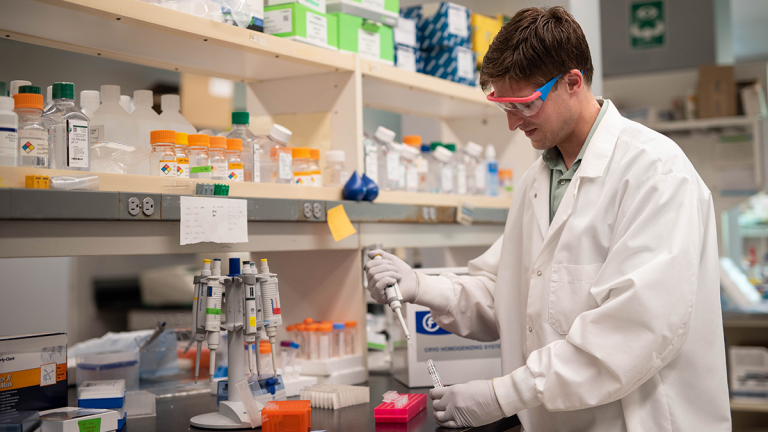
335 173
350 337
218 157
505 183
32 133
433 374
314 167
314 351
162 160
338 349
235 170
265 357
199 163
302 340
302 172
324 341
9 126
182 158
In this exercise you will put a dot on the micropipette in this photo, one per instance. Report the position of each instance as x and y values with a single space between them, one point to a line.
433 374
394 298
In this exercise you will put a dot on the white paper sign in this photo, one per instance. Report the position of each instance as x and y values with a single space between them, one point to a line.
405 32
369 44
406 59
317 28
278 21
457 21
464 63
217 220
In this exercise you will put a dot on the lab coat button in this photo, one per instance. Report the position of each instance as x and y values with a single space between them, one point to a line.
535 195
562 182
530 329
538 273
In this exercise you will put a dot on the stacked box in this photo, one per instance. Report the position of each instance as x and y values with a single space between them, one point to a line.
104 395
381 11
484 29
298 22
387 5
367 38
441 25
454 64
317 5
410 59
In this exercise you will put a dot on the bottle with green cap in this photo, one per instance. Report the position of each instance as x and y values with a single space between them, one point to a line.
32 133
9 126
69 130
251 154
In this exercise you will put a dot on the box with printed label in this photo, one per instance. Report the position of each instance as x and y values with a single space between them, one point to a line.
33 372
484 29
410 59
454 64
298 22
318 5
440 25
367 38
406 33
381 11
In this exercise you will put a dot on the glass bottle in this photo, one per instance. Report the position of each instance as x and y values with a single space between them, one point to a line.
32 133
251 153
182 158
335 173
276 156
314 167
68 131
162 159
218 158
199 163
235 164
302 170
505 183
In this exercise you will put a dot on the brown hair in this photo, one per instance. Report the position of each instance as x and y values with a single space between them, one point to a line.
536 45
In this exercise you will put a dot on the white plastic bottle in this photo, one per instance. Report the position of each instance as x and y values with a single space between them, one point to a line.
475 168
48 98
491 171
442 175
388 159
9 126
170 104
126 103
408 168
32 133
334 173
68 131
111 123
89 102
16 84
459 171
276 157
146 117
251 153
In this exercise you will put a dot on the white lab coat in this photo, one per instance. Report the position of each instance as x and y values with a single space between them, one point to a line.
609 318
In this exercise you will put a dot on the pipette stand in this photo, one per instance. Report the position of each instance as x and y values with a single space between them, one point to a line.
232 414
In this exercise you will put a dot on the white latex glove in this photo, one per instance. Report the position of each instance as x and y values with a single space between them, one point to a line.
466 405
386 271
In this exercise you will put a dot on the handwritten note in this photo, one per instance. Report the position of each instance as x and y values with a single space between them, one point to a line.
215 220
339 223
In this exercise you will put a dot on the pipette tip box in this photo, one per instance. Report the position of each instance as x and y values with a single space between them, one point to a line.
101 394
286 416
19 421
387 413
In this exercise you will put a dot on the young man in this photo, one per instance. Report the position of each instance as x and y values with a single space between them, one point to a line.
604 289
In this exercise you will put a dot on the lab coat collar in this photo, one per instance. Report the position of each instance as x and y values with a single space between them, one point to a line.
602 144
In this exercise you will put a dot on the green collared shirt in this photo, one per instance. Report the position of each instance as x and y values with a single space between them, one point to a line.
560 177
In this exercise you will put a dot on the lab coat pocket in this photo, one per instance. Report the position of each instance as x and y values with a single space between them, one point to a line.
569 294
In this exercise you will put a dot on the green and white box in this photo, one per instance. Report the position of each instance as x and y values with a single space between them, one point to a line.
383 11
298 22
318 5
369 39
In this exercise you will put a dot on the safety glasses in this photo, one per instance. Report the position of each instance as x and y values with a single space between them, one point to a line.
527 106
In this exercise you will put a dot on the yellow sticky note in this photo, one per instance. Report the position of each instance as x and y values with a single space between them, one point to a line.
339 223
253 321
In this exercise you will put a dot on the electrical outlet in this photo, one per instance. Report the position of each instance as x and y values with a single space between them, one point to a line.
134 206
317 210
308 210
148 206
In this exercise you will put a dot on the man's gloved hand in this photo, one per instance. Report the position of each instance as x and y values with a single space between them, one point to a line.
386 271
466 405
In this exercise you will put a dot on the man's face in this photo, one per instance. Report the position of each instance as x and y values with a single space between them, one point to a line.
551 124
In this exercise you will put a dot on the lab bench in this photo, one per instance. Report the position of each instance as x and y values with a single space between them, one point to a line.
174 412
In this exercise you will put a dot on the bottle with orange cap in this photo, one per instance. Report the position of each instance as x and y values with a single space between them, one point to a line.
199 163
162 159
182 158
235 169
32 133
302 171
350 337
505 183
314 167
218 157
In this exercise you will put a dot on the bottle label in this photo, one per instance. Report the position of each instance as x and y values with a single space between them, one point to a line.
412 179
33 143
219 170
393 166
236 173
317 178
166 168
302 178
96 133
422 166
8 140
371 161
480 178
182 167
284 168
446 179
77 143
461 179
256 165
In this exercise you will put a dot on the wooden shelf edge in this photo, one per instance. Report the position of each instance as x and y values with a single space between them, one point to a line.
749 406
698 124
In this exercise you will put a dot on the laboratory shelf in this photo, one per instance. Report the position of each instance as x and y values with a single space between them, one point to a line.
749 406
703 124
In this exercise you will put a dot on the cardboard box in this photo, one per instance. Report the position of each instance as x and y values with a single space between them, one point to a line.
441 25
454 64
716 93
33 372
369 39
298 22
484 29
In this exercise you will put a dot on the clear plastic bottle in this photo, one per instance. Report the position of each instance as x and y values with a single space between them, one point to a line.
443 173
162 160
218 158
48 98
473 156
170 104
235 170
314 167
199 163
505 183
182 156
371 157
9 128
251 154
276 156
459 171
388 159
111 123
32 133
335 173
302 169
145 116
68 131
89 102
410 172
491 171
